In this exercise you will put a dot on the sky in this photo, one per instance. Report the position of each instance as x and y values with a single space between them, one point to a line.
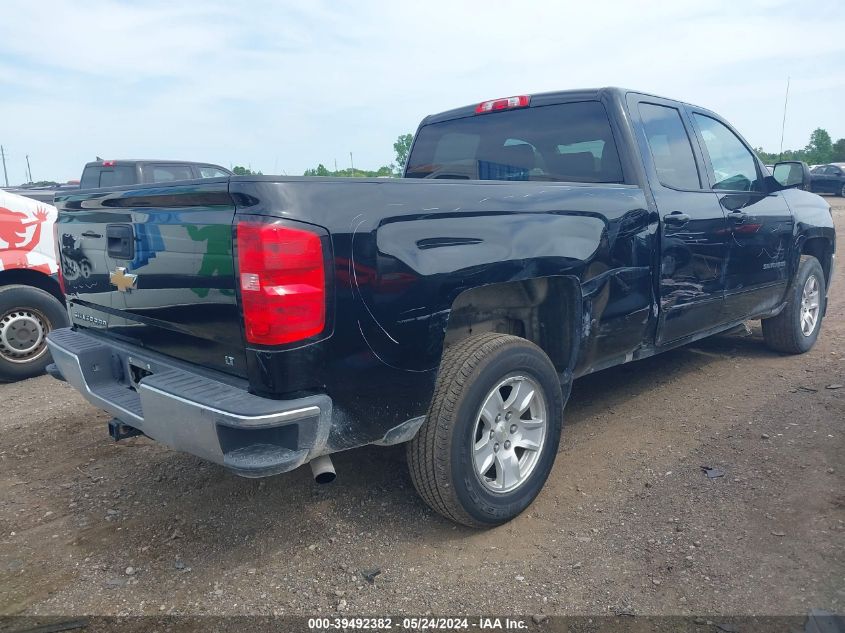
282 86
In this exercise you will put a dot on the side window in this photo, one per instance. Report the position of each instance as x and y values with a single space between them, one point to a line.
733 164
207 171
166 173
670 147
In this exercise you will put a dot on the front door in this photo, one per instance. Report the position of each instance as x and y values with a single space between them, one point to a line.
694 231
759 222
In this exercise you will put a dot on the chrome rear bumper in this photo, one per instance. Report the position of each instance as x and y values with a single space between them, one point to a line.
191 412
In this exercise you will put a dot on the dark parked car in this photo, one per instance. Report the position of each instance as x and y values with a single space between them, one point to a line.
828 179
113 173
42 194
263 322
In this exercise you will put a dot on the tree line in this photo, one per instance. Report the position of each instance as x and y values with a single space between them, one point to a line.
820 150
401 148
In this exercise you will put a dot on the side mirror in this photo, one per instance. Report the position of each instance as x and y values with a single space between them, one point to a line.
792 174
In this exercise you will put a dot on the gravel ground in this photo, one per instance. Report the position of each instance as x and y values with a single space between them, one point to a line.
628 522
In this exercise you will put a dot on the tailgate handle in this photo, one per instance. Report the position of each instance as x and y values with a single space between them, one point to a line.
121 241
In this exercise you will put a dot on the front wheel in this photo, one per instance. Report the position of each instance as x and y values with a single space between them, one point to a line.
27 315
796 328
491 434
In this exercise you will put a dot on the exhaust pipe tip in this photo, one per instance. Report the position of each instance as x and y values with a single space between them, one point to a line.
325 478
323 469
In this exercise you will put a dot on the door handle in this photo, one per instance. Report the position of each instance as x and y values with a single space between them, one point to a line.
91 234
676 217
738 217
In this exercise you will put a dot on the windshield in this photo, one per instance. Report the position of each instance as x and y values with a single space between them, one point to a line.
569 142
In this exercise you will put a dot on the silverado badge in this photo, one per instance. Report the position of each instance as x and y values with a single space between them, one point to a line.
123 280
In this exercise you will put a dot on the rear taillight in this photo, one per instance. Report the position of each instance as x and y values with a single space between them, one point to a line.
283 282
58 248
507 103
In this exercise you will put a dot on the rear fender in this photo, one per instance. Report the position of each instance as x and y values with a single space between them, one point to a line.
432 260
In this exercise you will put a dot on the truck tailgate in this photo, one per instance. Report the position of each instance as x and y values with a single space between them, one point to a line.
153 266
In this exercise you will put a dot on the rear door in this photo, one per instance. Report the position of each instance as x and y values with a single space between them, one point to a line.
153 267
760 223
694 235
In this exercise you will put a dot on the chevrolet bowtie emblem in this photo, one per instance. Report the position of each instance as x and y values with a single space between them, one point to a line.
123 280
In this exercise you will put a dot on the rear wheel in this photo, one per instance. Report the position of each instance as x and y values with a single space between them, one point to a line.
27 315
842 190
796 328
491 435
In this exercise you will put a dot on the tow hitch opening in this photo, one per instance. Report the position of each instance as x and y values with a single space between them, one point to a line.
120 431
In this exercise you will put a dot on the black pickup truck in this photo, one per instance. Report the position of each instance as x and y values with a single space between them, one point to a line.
266 322
112 173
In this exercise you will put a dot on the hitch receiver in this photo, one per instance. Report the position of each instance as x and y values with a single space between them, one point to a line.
120 431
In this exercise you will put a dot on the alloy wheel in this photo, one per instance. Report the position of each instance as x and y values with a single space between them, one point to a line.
509 433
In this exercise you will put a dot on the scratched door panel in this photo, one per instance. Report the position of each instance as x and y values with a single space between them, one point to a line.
761 229
759 223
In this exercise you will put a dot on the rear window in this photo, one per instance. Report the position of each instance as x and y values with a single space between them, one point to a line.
569 142
96 176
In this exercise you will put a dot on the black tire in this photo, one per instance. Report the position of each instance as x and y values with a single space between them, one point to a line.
842 191
15 300
440 456
783 332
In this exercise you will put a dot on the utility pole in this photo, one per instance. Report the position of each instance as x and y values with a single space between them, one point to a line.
5 173
352 163
28 168
783 125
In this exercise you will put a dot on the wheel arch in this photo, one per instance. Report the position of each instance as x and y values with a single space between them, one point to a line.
822 249
531 309
34 278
